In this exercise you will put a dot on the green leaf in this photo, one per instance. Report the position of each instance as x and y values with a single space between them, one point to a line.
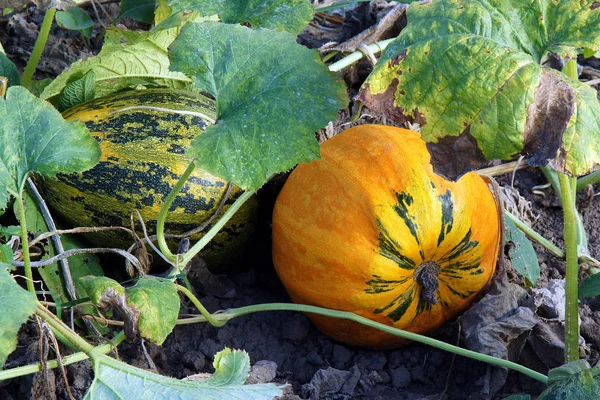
8 231
78 91
6 256
127 59
116 380
518 397
9 70
473 73
157 301
139 10
522 254
75 19
583 385
17 305
280 15
35 138
590 286
566 371
272 95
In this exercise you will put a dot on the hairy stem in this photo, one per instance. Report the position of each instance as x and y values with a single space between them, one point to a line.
589 179
200 307
70 359
164 210
38 48
567 186
66 332
208 236
25 243
357 55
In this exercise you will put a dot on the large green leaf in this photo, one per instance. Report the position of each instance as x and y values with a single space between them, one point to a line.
127 59
280 15
116 380
474 74
17 305
272 95
35 138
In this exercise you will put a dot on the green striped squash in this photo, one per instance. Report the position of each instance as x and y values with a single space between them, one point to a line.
142 135
370 228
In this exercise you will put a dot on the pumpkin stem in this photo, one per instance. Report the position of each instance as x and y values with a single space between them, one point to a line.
426 275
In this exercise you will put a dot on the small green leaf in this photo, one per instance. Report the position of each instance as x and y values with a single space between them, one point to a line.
11 230
583 385
9 70
38 86
272 95
157 301
590 286
521 252
116 380
127 59
139 10
75 19
6 255
17 305
280 15
35 138
79 91
566 371
474 74
231 367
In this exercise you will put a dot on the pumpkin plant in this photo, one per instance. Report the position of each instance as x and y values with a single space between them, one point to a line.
257 77
477 75
370 228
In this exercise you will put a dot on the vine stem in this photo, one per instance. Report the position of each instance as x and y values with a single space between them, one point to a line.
70 359
66 332
357 55
38 48
589 179
237 312
208 236
164 210
25 242
208 316
567 193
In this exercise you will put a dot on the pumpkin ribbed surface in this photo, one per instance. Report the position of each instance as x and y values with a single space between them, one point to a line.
142 139
370 228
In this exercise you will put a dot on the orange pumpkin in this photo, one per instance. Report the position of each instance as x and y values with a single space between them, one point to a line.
370 228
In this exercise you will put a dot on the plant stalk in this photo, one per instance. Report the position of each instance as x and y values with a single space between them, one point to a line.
357 55
589 179
208 236
70 359
66 332
25 243
208 316
38 48
164 210
567 191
